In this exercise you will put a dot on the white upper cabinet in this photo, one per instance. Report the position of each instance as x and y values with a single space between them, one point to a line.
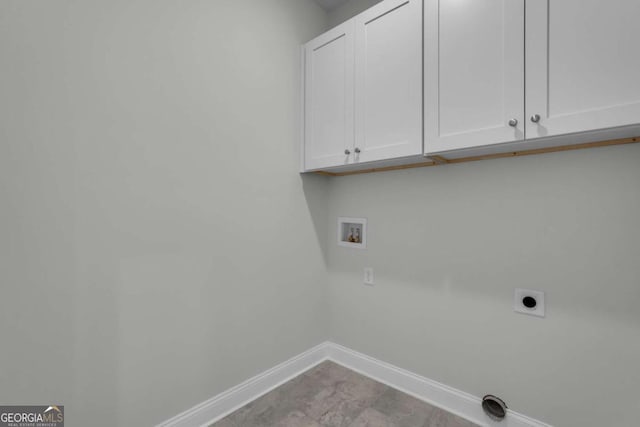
583 65
388 88
582 61
329 97
363 88
499 76
474 73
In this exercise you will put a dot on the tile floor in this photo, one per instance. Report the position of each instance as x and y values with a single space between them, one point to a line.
330 395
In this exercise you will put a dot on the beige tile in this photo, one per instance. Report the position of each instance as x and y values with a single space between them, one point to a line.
322 402
361 388
297 419
340 403
333 409
372 418
330 395
343 414
327 373
402 409
441 418
225 422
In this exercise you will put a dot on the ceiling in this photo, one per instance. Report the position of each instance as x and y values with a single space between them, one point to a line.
330 4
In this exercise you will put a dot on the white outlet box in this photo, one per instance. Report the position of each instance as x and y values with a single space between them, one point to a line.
527 301
368 276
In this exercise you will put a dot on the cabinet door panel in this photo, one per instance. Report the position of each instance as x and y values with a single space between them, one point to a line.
474 73
583 62
389 81
329 63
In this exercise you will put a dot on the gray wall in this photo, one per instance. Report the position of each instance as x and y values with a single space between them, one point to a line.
448 245
157 244
348 10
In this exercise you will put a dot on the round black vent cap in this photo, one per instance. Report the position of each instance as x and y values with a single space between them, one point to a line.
494 407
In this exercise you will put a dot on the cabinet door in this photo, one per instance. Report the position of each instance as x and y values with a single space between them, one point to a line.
474 73
583 63
329 79
389 81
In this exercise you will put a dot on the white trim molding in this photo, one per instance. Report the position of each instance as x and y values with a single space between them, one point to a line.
236 397
455 401
448 398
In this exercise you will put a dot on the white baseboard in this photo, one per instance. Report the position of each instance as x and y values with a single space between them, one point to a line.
448 398
236 397
455 401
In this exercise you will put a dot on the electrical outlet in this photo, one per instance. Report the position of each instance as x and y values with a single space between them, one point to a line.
368 276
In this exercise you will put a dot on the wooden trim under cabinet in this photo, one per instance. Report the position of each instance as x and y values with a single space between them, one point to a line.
440 160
